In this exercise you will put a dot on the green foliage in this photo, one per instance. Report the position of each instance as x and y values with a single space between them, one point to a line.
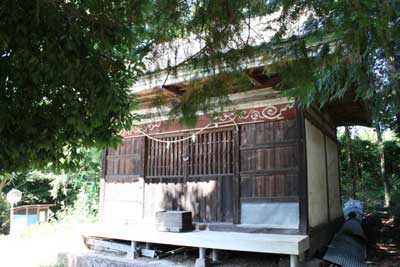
345 44
79 190
366 157
65 70
4 214
74 193
203 97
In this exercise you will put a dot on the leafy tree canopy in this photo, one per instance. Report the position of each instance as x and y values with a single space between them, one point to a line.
64 78
66 66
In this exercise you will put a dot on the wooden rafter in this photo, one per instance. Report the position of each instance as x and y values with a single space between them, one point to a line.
176 90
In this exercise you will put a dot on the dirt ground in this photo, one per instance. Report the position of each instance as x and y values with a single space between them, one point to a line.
187 260
384 239
40 245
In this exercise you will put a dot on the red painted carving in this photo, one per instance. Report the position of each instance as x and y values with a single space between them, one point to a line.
253 115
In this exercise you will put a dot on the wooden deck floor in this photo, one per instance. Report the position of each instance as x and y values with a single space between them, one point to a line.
249 242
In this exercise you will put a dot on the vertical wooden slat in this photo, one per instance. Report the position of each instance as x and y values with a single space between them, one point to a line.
196 157
185 163
224 149
201 156
214 143
216 152
219 152
169 158
229 157
180 158
156 159
164 159
160 158
209 153
175 159
153 157
143 156
205 154
189 155
150 157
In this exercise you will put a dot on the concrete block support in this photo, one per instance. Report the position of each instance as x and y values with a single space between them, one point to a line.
133 252
294 261
214 255
202 261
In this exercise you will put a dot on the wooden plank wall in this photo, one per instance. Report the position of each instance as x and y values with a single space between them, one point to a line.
269 161
125 163
205 175
122 185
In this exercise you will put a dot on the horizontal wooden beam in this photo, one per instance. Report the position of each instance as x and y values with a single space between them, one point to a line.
122 178
288 142
293 170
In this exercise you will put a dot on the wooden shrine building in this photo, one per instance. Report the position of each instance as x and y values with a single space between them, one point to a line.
264 171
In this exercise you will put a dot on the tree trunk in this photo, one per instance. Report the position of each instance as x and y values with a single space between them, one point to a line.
386 184
350 162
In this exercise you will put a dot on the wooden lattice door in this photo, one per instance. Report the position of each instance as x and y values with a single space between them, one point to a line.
207 154
196 174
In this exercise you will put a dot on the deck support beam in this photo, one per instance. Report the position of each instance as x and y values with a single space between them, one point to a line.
202 261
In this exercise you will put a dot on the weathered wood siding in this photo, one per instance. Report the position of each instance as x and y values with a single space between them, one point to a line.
212 175
269 174
269 160
335 207
126 162
122 184
318 209
324 203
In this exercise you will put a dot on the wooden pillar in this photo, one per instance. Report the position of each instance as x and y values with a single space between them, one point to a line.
303 176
